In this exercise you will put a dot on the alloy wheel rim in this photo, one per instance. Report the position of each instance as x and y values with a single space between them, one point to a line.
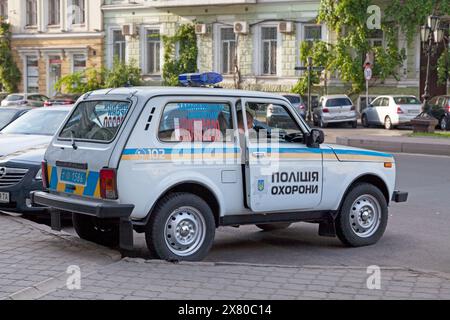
184 231
443 124
365 216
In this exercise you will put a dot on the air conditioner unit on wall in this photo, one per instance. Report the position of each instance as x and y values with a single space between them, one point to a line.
285 27
200 28
129 29
240 27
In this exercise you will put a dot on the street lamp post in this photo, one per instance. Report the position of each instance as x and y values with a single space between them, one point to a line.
431 36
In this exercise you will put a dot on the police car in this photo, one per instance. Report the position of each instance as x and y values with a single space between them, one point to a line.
177 163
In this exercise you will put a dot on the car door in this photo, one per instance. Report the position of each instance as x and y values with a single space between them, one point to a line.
382 109
282 173
371 112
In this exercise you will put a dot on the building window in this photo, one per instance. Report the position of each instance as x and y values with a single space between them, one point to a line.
4 9
79 62
153 53
32 74
375 37
269 48
54 16
31 12
228 50
119 44
78 11
313 33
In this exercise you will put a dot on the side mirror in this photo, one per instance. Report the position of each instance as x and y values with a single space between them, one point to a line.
315 138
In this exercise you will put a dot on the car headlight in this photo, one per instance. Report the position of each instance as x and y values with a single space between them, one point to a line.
38 175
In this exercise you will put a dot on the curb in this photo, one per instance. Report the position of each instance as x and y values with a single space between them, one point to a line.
394 144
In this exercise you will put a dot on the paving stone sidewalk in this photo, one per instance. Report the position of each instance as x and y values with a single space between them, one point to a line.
34 260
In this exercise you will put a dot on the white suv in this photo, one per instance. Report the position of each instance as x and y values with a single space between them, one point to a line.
176 163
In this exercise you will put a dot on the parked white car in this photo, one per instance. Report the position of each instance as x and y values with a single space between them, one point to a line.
335 109
391 111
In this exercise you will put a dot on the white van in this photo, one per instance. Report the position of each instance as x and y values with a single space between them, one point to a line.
177 163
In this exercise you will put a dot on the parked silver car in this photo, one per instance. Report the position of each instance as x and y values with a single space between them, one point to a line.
24 99
298 104
335 109
391 111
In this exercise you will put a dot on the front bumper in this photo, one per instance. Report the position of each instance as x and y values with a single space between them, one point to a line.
93 208
400 196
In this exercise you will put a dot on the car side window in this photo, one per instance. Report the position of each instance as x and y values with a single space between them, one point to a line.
199 122
376 102
273 121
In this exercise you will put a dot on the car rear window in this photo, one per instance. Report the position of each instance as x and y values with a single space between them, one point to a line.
14 97
338 102
40 121
294 99
406 100
96 121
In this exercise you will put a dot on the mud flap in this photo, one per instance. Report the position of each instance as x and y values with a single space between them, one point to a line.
55 219
327 229
126 234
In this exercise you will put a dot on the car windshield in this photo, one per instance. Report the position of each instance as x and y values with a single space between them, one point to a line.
6 115
406 100
14 97
43 122
338 102
96 120
293 99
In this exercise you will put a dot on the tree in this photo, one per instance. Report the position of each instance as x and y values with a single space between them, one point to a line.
186 60
348 19
9 72
120 75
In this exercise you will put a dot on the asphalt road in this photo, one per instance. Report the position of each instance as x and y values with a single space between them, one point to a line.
418 233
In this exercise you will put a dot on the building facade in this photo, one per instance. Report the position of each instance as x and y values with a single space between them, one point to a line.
266 46
53 38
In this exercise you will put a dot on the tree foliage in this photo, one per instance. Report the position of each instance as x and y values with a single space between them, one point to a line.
120 75
183 61
348 20
443 67
9 72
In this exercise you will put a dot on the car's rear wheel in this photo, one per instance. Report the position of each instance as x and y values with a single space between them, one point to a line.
363 217
274 226
101 231
444 123
388 123
182 227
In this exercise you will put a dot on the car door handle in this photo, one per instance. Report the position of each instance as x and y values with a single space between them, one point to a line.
259 154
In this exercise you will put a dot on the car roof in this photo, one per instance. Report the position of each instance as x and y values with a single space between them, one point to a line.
334 96
56 108
148 92
18 108
398 96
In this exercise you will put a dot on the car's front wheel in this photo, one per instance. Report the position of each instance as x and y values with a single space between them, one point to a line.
322 124
365 121
363 217
181 227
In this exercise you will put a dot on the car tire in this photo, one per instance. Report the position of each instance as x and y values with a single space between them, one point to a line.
363 217
388 123
183 212
101 231
274 226
322 124
444 123
354 124
365 121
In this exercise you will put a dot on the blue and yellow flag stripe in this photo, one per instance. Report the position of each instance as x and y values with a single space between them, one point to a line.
170 154
91 189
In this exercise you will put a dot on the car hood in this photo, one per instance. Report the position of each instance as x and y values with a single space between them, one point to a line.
351 154
15 144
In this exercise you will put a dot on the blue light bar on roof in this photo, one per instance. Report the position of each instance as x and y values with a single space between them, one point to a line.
200 79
